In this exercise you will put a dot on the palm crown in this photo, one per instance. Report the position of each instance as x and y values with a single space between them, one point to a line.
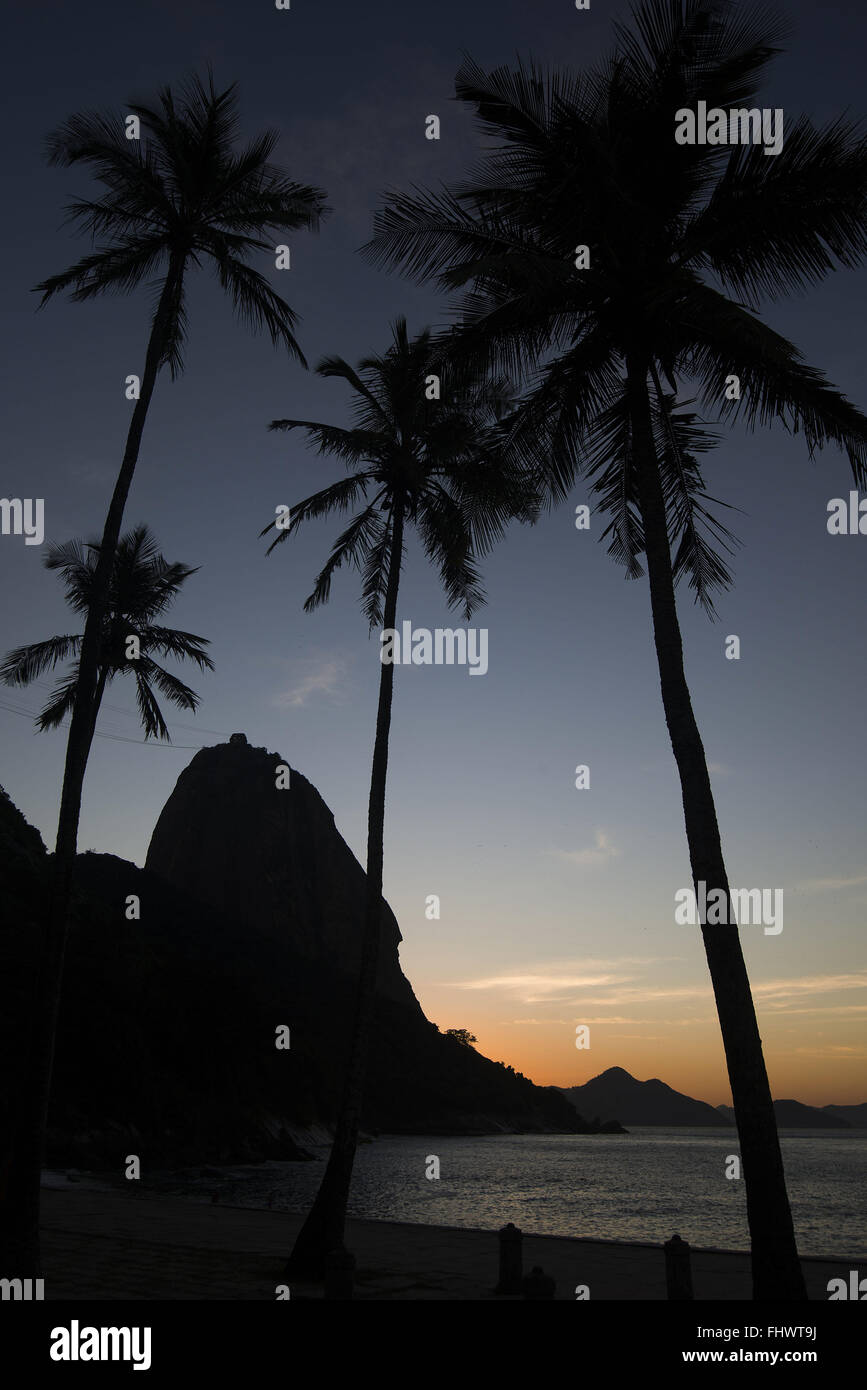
182 194
435 462
682 239
143 586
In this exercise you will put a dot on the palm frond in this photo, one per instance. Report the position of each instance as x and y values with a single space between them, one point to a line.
76 561
375 569
776 226
152 721
25 664
258 305
115 269
174 689
186 646
334 366
448 544
610 459
353 446
700 48
60 705
699 535
338 497
364 536
720 339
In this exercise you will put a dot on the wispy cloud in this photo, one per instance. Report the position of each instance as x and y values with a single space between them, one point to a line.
599 853
773 994
839 1054
314 676
541 983
546 986
621 987
824 885
643 994
91 474
620 982
538 1022
615 1018
780 990
839 1010
638 1037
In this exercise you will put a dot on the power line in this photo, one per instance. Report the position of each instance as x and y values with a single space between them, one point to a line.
118 709
116 738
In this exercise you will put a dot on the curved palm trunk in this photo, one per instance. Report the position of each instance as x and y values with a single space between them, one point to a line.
22 1158
776 1267
97 701
324 1227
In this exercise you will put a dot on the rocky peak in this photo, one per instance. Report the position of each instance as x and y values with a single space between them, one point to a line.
234 835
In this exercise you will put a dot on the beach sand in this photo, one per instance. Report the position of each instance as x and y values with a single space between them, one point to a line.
107 1245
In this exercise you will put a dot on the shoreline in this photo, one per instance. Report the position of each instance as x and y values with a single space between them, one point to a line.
104 1246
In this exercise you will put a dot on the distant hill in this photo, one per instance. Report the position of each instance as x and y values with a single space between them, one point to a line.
856 1115
615 1095
791 1114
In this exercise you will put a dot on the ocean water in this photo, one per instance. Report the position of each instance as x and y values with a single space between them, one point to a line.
641 1186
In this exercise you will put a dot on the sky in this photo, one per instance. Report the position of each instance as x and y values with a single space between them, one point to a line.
557 904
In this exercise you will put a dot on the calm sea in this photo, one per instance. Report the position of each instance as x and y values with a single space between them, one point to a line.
642 1186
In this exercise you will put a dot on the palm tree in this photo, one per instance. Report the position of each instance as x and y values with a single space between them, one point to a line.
427 464
181 195
683 241
143 586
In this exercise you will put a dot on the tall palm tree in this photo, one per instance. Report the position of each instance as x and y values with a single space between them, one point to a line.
415 462
683 242
143 586
183 194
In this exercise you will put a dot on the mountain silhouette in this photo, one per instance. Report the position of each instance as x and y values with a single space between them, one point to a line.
179 976
272 859
615 1094
855 1115
791 1114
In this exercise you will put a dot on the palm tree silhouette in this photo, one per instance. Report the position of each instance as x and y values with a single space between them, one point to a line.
678 236
143 586
428 464
179 196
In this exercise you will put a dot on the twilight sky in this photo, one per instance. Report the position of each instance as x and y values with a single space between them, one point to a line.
557 904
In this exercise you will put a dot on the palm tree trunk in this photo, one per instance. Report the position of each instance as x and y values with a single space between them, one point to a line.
323 1230
776 1268
19 1190
97 701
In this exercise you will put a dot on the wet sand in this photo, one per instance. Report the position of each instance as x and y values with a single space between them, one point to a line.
107 1245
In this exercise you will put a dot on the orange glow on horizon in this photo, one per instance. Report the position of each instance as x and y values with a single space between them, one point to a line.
688 1059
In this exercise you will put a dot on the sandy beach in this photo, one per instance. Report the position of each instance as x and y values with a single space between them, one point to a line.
104 1245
